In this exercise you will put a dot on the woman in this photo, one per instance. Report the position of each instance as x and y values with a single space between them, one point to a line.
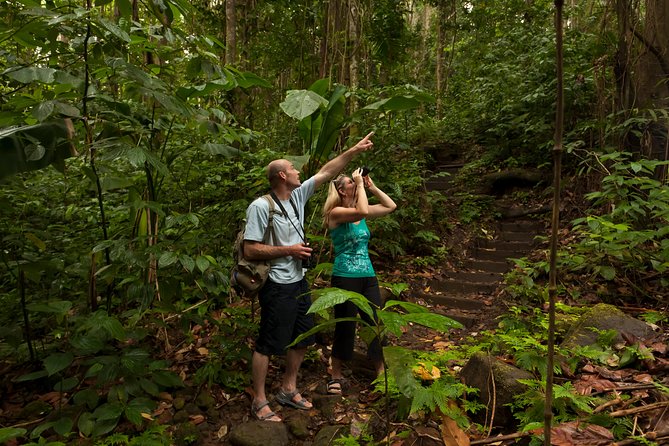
345 212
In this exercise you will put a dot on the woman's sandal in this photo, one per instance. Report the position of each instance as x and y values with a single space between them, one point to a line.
335 386
286 399
255 411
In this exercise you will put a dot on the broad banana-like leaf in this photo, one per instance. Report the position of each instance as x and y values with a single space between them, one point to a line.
36 146
398 103
301 104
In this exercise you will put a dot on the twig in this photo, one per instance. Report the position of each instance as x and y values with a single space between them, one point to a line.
501 438
192 307
28 423
607 405
653 436
622 388
635 410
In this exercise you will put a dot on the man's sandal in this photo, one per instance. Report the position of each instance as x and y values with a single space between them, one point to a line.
335 386
286 399
255 411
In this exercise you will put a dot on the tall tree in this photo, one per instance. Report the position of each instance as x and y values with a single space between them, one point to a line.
230 32
642 70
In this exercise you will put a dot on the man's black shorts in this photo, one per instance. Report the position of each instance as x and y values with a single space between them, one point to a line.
283 316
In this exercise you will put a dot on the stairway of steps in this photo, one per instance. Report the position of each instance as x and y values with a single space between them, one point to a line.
466 293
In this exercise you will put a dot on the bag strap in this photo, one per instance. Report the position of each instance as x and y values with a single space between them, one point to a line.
269 230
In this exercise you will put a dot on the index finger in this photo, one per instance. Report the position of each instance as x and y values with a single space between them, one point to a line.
369 135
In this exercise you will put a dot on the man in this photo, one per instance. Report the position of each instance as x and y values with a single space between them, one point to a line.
285 299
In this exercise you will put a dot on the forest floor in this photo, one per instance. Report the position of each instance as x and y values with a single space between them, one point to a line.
207 415
361 405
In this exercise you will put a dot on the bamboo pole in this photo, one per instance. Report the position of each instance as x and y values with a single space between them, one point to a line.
557 168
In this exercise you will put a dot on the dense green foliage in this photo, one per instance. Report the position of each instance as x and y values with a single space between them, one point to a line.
120 232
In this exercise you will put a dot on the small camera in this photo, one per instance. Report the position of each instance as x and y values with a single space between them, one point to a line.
365 171
309 262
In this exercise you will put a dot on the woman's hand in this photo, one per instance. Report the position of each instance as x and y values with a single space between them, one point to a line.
369 184
357 176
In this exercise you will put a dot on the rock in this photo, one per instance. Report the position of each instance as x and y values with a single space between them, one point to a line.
205 400
604 317
259 433
298 425
497 383
186 434
326 404
181 416
179 403
328 434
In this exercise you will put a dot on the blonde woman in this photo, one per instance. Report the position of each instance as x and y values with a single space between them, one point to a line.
345 213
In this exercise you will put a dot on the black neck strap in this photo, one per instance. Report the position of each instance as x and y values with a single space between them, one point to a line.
297 214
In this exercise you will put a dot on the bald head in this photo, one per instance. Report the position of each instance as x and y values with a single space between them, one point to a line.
274 168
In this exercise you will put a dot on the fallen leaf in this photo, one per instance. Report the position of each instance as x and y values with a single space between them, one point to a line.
421 371
203 351
643 378
452 434
196 419
222 432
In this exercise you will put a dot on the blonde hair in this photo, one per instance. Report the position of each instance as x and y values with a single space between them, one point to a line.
334 199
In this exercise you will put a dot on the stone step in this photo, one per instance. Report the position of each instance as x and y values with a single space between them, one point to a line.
467 321
498 255
506 245
460 303
442 182
509 236
493 266
473 276
534 226
455 288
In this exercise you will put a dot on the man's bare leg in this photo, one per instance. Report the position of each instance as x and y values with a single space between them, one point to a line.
259 366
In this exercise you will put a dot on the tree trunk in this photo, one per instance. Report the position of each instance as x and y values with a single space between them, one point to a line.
642 72
230 32
439 57
354 15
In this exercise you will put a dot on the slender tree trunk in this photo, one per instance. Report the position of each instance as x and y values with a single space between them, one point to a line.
555 220
642 72
354 15
325 41
439 57
230 32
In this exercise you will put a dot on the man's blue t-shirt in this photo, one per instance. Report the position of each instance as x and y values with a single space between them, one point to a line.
283 269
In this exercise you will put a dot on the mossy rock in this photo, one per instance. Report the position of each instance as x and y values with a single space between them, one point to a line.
498 384
601 317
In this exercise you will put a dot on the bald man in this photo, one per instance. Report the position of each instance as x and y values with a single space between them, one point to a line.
285 299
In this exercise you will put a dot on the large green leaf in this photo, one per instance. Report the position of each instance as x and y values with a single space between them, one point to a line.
9 433
108 411
88 397
35 147
398 103
432 320
221 149
329 297
27 75
300 104
400 364
57 362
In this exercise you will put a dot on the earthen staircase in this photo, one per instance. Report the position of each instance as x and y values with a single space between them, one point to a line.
466 293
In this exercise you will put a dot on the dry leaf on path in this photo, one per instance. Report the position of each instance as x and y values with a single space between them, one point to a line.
452 434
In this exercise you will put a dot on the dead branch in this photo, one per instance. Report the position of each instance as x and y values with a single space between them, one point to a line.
501 438
636 410
658 437
607 405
